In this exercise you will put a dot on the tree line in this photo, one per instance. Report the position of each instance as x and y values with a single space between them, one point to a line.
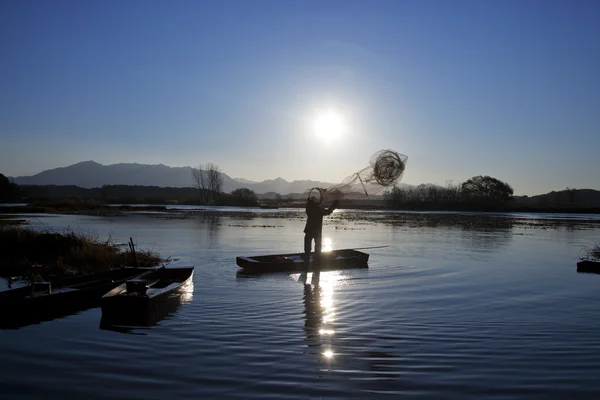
477 193
126 194
484 193
480 193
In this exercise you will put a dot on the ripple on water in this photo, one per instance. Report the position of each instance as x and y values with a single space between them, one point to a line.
442 312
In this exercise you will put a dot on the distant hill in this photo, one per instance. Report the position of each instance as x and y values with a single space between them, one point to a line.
570 197
90 174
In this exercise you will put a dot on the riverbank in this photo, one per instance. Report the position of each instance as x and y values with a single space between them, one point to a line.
77 208
100 209
43 255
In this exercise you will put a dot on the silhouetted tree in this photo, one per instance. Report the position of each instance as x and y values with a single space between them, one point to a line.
245 197
486 188
201 183
215 179
208 180
394 197
7 188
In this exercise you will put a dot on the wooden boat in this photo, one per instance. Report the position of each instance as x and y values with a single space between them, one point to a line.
294 262
144 301
590 266
44 301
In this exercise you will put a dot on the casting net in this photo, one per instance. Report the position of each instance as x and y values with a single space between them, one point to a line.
385 169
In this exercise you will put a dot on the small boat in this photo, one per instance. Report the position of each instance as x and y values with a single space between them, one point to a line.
42 301
591 266
144 301
294 262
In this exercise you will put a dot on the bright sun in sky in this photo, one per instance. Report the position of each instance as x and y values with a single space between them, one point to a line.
329 125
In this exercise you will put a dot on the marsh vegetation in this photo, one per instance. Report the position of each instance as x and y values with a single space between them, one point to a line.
41 255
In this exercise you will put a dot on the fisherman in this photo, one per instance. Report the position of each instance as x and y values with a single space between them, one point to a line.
314 226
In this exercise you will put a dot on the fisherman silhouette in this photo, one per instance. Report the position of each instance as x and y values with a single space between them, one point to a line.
314 226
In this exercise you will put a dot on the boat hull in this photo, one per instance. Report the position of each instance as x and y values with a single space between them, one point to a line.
42 302
163 296
294 262
588 266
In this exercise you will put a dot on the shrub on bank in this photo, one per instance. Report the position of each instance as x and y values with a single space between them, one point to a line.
593 253
45 254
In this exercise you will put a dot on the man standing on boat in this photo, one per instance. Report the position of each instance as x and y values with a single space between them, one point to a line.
314 226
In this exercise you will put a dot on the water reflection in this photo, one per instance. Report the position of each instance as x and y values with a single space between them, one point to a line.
165 308
430 328
327 244
212 223
45 314
486 239
320 311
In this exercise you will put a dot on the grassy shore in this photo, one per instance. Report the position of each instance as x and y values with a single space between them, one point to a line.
92 206
75 206
43 255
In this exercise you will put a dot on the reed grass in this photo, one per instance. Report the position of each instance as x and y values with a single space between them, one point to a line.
44 254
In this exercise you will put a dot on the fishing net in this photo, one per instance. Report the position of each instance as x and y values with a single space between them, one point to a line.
385 169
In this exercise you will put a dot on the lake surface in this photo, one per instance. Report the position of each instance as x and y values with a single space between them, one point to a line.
456 306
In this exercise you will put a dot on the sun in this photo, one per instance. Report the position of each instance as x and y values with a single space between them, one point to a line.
329 125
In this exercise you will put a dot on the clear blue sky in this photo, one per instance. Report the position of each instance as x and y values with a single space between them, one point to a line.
505 88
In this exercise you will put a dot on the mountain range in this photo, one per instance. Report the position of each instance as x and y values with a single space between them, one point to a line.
90 174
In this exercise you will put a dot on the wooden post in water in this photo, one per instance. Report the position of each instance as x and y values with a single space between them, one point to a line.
132 248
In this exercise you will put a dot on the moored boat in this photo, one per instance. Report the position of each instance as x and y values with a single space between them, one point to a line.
43 301
145 300
591 266
294 262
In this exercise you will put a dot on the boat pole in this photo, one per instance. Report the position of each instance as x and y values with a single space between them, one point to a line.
132 248
372 247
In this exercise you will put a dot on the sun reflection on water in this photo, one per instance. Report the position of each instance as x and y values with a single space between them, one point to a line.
326 245
320 309
187 291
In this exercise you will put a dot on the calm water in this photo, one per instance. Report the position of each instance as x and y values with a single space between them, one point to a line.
457 306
